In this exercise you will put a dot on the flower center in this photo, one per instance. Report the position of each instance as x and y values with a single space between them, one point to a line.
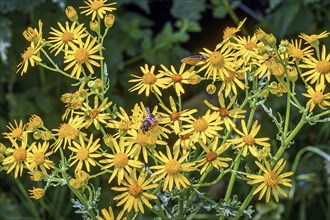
135 190
173 167
317 97
271 179
39 158
298 53
28 53
120 160
83 153
19 155
250 46
248 139
177 78
323 67
149 78
125 125
216 58
81 55
174 116
67 37
96 5
312 38
66 131
223 112
200 124
211 156
17 132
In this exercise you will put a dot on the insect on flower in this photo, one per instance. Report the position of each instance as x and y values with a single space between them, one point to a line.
149 121
193 60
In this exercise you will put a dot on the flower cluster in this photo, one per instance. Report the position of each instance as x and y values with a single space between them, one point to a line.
149 152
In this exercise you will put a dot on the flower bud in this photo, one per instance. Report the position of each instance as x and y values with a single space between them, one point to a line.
109 19
71 13
292 73
211 89
94 26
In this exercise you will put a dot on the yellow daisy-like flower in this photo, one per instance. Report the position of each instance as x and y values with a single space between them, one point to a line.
15 131
264 66
149 82
296 52
232 81
97 7
120 160
183 143
37 193
66 37
248 139
176 79
314 38
317 97
108 215
231 31
218 62
96 114
17 159
270 180
225 112
174 117
320 69
203 127
247 48
84 154
212 156
67 132
33 34
134 192
124 124
172 169
143 141
84 54
30 55
38 157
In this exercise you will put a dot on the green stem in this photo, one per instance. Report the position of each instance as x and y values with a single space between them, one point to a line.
56 69
244 204
287 116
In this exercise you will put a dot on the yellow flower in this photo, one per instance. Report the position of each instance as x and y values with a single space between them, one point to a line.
30 55
320 69
120 160
174 117
149 82
71 13
218 62
203 127
108 215
34 35
17 159
296 52
134 192
314 38
38 157
35 122
212 156
37 193
270 180
84 154
248 139
246 47
184 143
225 112
67 132
232 81
65 37
176 79
97 7
84 54
317 97
15 131
97 114
124 124
173 170
231 31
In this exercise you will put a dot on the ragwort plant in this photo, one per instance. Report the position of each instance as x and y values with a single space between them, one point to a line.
159 158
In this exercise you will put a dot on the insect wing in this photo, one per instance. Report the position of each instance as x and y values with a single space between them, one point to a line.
193 60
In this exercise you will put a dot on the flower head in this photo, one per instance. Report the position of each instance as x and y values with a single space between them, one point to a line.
37 193
84 154
83 54
270 180
317 97
30 55
248 140
173 169
134 191
314 38
149 82
97 8
231 31
16 131
38 157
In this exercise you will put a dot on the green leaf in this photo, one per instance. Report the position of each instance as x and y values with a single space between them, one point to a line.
188 10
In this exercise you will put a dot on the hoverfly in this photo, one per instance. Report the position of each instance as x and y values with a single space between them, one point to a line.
193 60
149 121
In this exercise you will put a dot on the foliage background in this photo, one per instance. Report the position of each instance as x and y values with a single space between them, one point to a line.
155 32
